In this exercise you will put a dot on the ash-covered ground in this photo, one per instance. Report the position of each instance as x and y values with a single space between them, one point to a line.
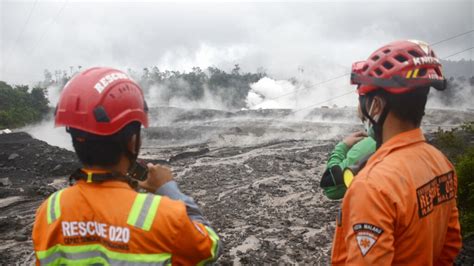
254 173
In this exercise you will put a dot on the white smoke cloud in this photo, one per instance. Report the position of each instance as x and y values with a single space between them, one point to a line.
205 55
46 131
311 42
457 96
268 93
53 92
208 101
157 96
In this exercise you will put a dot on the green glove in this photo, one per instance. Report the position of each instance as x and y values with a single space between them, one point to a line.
341 158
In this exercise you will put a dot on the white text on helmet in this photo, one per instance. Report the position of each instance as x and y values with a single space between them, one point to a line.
425 60
105 81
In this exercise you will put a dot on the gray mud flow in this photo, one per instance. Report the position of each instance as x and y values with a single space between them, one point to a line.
255 174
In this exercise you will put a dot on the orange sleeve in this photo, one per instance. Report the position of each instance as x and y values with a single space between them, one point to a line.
367 220
453 241
38 226
194 243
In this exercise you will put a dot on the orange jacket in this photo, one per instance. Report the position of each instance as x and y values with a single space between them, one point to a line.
109 223
401 208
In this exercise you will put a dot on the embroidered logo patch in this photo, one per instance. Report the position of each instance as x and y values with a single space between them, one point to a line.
440 189
366 236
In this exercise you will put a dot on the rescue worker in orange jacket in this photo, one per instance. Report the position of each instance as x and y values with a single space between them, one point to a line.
401 207
101 219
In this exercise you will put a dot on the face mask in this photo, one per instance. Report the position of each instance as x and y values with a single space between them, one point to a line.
369 129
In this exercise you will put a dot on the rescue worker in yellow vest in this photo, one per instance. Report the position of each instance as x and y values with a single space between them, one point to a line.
102 219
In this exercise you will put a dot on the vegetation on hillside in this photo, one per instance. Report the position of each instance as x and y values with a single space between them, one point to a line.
458 145
20 105
230 87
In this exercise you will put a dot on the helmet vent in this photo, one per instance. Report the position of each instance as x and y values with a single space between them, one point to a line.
387 65
386 51
433 54
400 58
422 72
365 67
378 71
101 115
414 53
375 58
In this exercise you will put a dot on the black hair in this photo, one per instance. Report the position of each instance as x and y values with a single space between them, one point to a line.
408 106
105 151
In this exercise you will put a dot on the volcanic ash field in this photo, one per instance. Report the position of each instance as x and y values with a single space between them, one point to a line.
255 175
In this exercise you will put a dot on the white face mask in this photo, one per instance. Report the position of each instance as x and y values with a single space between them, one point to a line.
368 125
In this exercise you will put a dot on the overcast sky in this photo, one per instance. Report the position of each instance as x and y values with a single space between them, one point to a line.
323 38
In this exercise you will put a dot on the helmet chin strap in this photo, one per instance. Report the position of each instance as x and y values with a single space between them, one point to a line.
132 156
377 125
132 159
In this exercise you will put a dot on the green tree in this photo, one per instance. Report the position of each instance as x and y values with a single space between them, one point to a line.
20 106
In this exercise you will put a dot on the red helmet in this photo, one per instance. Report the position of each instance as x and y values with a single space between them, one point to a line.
399 67
101 101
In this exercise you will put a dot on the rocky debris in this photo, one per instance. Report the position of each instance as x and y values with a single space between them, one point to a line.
13 156
466 257
5 131
21 237
257 181
28 168
5 182
188 154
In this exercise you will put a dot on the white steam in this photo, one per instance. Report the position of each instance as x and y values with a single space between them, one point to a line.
271 94
203 56
156 97
208 101
458 96
53 93
46 131
268 93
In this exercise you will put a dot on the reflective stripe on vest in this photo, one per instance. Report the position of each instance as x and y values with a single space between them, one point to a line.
143 211
215 245
98 254
54 209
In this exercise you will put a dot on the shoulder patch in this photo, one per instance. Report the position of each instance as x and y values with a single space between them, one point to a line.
366 236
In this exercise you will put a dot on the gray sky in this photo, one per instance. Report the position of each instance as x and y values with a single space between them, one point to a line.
323 38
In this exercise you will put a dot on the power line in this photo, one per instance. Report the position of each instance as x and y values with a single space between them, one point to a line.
460 52
312 86
20 33
333 98
450 38
351 91
24 25
347 74
47 28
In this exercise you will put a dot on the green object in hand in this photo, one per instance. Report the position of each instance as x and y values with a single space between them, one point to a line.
341 158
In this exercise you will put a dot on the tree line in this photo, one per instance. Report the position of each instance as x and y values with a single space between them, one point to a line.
20 105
